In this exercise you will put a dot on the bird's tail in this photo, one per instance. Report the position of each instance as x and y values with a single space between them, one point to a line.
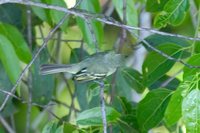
55 68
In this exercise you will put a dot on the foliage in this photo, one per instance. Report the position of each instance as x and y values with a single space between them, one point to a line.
168 89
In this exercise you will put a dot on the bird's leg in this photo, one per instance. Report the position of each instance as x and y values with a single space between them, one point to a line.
102 102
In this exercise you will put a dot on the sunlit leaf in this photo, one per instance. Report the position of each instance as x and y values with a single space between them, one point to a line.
173 111
155 5
173 13
191 111
56 16
194 60
9 59
17 40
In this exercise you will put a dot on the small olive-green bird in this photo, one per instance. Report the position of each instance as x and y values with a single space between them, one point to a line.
95 67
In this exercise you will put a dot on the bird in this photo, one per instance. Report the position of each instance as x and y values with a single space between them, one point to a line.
95 67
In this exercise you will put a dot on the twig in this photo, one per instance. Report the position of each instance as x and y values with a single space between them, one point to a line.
34 104
34 58
124 34
99 17
78 3
103 108
9 93
64 104
6 125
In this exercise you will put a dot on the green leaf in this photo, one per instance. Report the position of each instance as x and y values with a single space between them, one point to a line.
173 13
93 116
156 40
191 111
172 84
92 6
76 55
129 113
150 110
155 65
52 127
9 59
131 11
155 5
194 60
122 87
43 14
173 111
56 16
69 128
134 79
17 40
42 85
12 14
5 85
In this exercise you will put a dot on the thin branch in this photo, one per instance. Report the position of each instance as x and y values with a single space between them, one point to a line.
103 108
102 102
34 104
64 104
34 58
78 3
6 125
10 94
124 34
99 17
